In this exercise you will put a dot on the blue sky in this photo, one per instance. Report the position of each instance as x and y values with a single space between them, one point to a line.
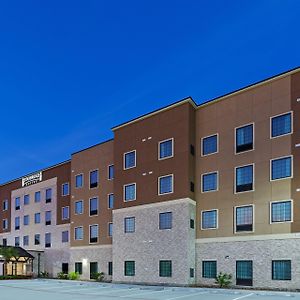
71 70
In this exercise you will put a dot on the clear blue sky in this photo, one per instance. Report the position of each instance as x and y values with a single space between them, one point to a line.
71 70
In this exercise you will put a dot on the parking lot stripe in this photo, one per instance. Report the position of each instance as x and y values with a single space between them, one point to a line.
138 294
189 295
245 296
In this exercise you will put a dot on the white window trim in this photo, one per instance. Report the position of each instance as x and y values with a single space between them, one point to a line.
203 174
292 125
90 234
253 183
158 190
208 210
253 138
80 187
62 213
124 161
6 205
98 181
62 189
292 168
45 239
90 206
108 172
292 211
125 224
108 200
110 236
201 150
166 140
82 207
6 221
124 186
253 219
75 233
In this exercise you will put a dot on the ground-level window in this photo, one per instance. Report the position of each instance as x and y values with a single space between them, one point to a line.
244 272
165 268
78 268
110 268
192 272
93 270
281 270
129 268
65 268
209 269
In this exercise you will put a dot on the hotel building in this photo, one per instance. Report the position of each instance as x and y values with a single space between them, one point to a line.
177 196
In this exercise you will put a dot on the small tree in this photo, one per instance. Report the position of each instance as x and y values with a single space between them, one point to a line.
223 279
8 253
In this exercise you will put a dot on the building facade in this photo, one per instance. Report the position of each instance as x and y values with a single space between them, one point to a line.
177 196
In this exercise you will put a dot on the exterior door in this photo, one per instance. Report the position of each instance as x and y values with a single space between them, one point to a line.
244 272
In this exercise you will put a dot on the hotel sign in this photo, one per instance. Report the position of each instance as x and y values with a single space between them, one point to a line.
32 179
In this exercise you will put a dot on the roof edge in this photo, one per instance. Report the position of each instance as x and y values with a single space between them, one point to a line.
95 145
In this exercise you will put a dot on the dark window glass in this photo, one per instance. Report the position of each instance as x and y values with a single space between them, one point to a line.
111 172
93 206
244 179
281 270
93 270
166 184
93 179
17 203
65 189
165 220
111 201
37 239
48 218
281 125
244 273
210 182
209 269
129 225
65 268
65 236
130 192
192 272
166 149
192 223
281 211
129 268
78 268
210 145
93 233
79 181
192 149
48 195
165 268
110 268
281 168
244 218
244 138
130 160
47 240
209 219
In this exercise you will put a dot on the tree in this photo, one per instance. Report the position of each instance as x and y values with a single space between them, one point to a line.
8 253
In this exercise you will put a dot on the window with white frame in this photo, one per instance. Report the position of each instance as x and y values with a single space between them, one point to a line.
281 211
130 192
210 145
78 233
129 224
5 205
281 125
48 240
209 182
166 148
111 172
281 168
165 184
244 218
94 178
209 219
165 220
65 236
130 160
65 189
244 138
94 206
48 217
244 179
48 195
17 203
65 213
79 181
5 224
111 201
79 207
110 229
94 232
17 223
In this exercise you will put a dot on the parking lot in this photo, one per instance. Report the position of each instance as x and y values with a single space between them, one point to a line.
65 290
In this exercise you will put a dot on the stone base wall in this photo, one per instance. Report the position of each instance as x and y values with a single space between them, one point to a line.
261 252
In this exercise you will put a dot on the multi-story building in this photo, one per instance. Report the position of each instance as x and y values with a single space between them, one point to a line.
177 196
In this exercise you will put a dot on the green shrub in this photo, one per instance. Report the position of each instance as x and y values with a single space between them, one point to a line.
44 274
73 275
62 275
223 279
98 276
7 277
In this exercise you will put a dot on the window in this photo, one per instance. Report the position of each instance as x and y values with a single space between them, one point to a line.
79 207
48 195
37 239
48 217
129 224
209 182
93 233
5 224
48 240
110 229
281 168
192 186
17 203
129 268
65 236
37 197
26 199
94 179
94 206
78 233
65 268
130 160
78 268
111 201
192 223
165 220
166 149
93 270
5 205
26 240
192 272
209 269
209 219
111 172
244 179
281 270
17 241
281 125
281 211
65 213
244 272
165 268
79 181
210 145
244 138
4 242
244 218
130 192
165 184
110 268
17 223
65 189
37 218
192 150
26 220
